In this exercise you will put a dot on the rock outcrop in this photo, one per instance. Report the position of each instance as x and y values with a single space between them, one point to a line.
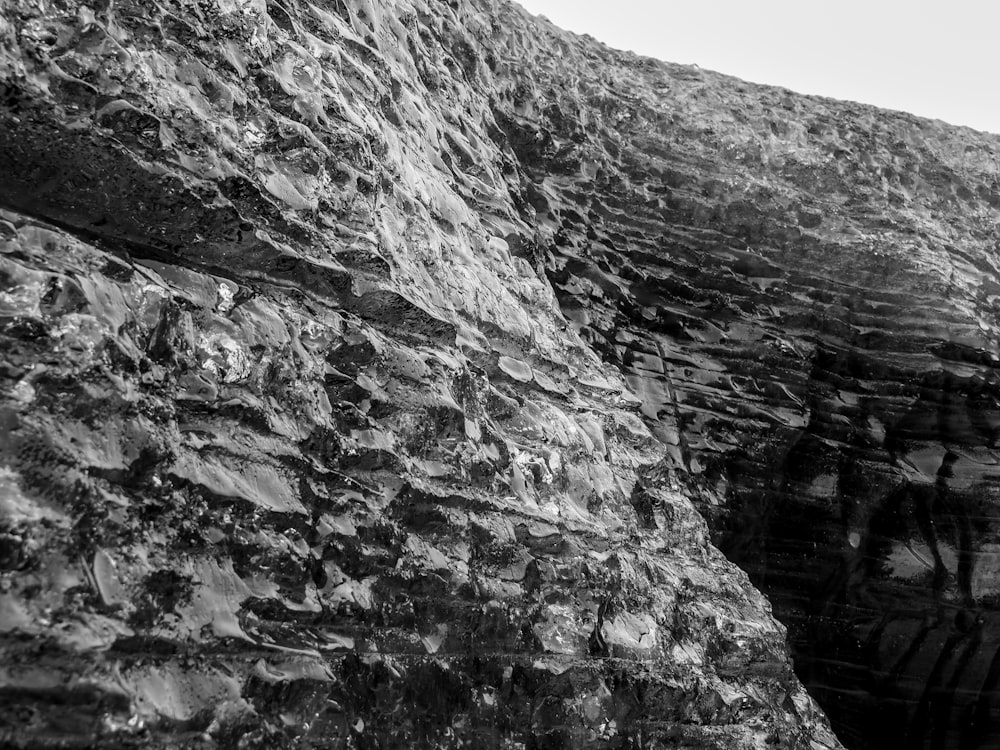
369 370
804 295
299 448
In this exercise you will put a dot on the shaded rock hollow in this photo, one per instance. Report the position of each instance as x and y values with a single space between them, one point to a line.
369 370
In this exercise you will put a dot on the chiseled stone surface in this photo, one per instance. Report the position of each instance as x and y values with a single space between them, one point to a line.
298 447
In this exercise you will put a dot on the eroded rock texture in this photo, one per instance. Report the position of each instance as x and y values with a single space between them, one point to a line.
803 294
298 447
368 369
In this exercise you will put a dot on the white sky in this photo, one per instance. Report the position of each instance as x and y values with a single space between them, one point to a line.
935 59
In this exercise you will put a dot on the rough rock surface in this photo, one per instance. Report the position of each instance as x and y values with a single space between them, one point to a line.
365 366
804 295
298 447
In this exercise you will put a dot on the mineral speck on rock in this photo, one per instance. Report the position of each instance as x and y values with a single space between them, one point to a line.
368 372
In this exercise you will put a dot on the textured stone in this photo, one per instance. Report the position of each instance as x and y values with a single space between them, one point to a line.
803 295
298 446
369 371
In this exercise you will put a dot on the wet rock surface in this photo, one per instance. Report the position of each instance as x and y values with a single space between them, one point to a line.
369 371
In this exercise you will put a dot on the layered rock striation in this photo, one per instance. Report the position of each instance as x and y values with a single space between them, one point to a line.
369 371
803 294
298 448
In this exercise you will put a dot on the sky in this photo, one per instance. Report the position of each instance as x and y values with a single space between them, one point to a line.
934 59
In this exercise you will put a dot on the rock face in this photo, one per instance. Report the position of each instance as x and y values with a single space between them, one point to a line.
803 294
369 370
299 448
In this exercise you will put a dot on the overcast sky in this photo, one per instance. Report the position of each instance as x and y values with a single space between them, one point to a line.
939 59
